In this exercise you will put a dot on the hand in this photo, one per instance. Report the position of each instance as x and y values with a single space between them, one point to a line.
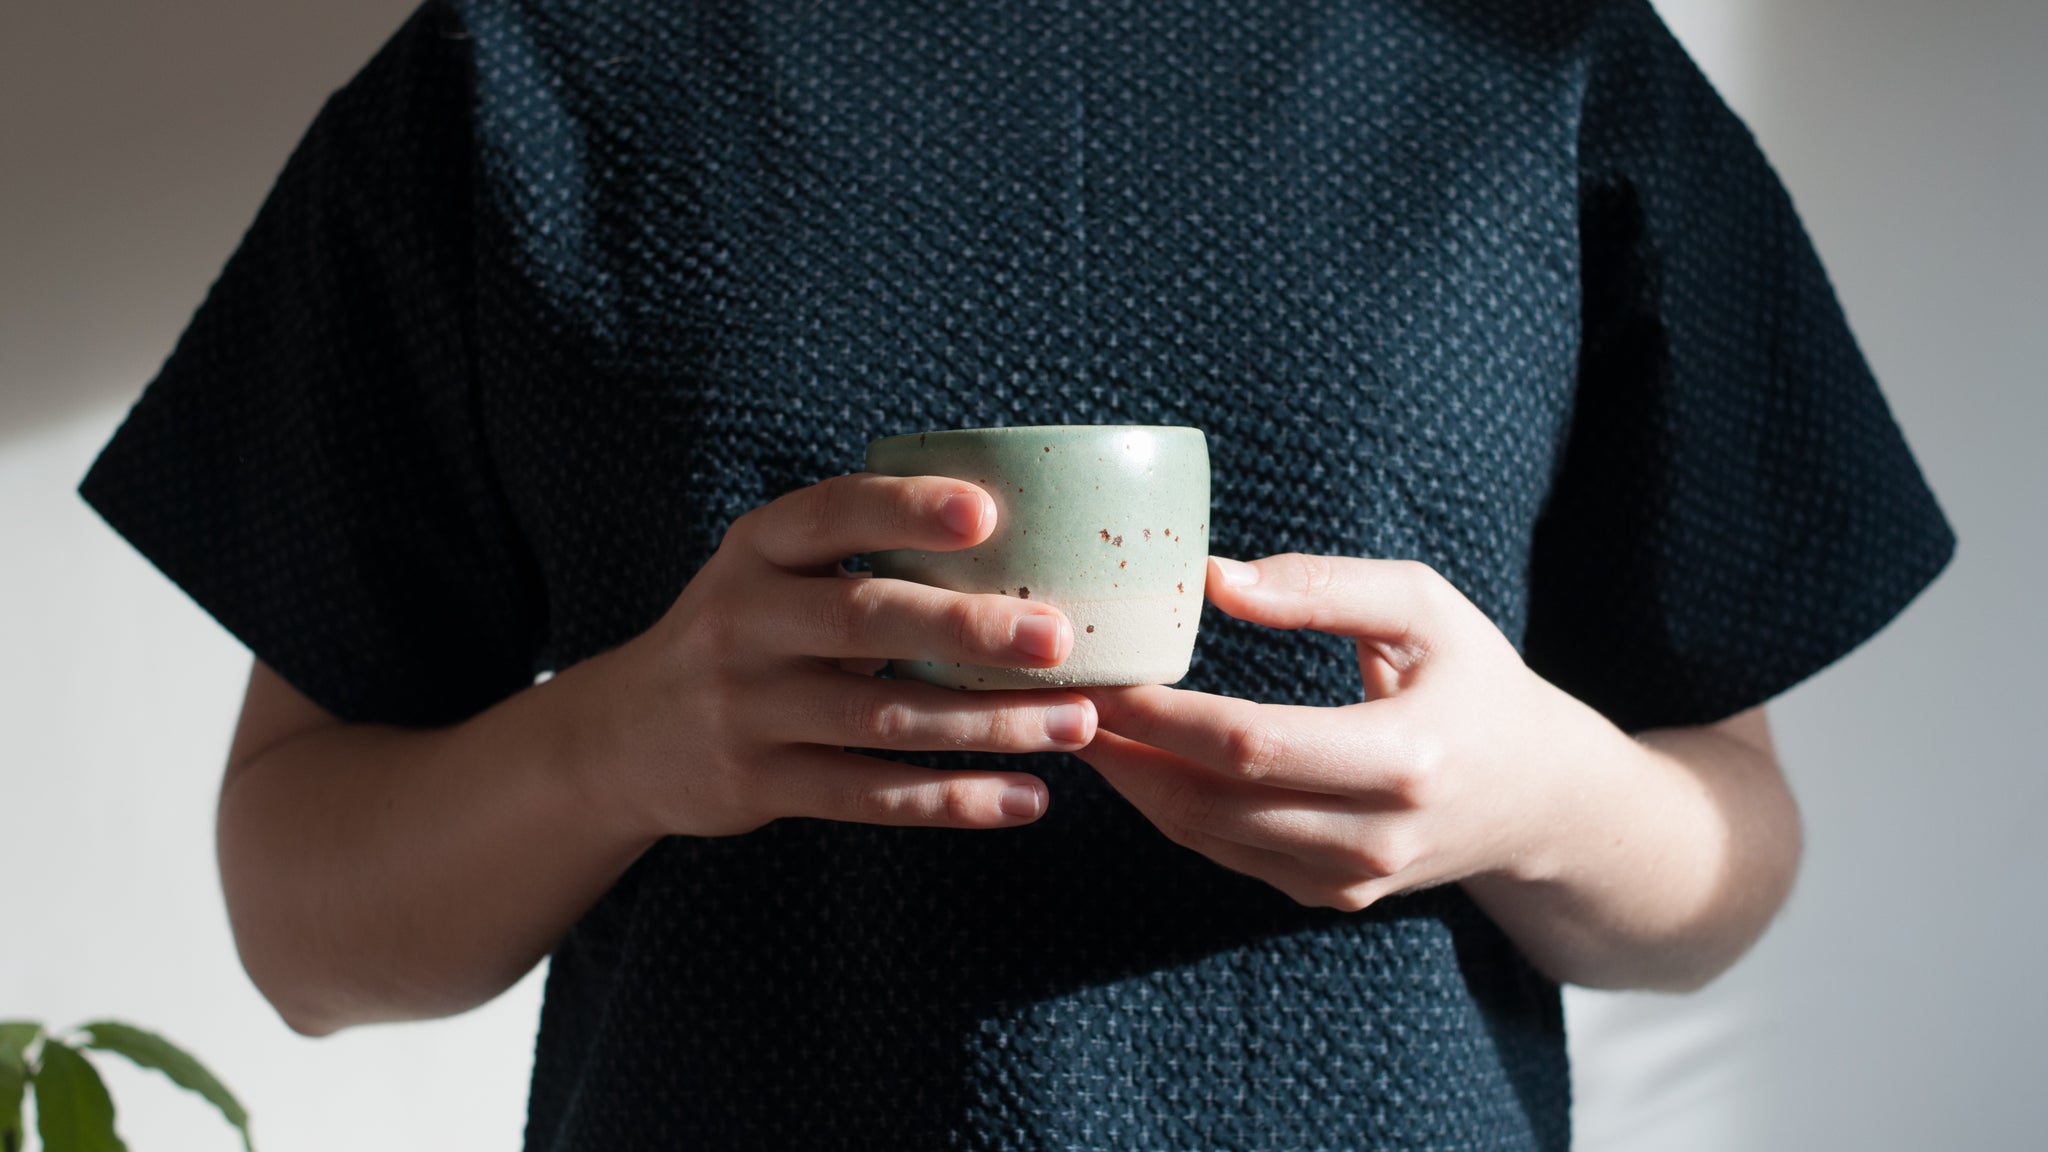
1449 767
738 706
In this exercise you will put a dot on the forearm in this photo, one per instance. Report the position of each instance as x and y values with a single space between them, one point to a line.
1664 861
375 873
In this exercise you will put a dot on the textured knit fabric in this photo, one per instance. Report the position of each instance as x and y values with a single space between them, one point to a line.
552 292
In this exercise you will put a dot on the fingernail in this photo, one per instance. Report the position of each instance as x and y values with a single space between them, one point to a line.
1022 802
963 513
1067 723
1038 636
1235 573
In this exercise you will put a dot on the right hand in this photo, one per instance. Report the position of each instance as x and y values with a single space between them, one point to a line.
737 707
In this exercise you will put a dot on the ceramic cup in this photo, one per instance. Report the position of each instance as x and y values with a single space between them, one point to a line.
1110 523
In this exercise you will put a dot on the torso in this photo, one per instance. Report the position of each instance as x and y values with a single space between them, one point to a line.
725 249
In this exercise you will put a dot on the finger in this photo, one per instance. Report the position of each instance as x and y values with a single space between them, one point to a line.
830 785
1328 750
1399 601
838 619
1310 860
837 518
1179 798
831 708
860 665
1326 834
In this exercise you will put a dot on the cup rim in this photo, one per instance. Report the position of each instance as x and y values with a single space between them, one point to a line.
1041 430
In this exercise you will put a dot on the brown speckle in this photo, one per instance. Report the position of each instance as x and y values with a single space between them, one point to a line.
1176 624
1147 532
1105 535
1118 541
1180 587
1122 563
1091 627
1024 592
1048 447
1202 527
1020 490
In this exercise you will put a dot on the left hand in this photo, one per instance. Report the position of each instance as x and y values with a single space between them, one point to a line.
1455 764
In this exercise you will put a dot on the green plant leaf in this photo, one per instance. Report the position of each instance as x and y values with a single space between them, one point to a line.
73 1111
12 1081
15 1038
153 1051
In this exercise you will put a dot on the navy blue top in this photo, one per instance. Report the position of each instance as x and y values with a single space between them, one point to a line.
552 292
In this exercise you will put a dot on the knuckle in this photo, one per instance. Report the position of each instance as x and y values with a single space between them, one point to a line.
1254 749
738 536
853 612
1307 897
720 708
830 623
826 507
1425 579
964 624
956 803
868 805
915 504
823 508
1417 781
1004 729
711 637
1414 772
1430 585
881 721
949 802
1353 898
748 525
893 723
1317 574
1387 855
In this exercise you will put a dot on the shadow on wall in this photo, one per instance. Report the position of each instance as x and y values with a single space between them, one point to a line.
133 167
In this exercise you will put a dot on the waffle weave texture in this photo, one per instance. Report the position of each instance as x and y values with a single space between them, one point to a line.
552 292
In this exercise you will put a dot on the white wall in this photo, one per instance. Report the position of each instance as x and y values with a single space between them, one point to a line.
136 140
1891 1008
1897 1005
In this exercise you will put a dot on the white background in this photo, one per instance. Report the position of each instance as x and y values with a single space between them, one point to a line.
1895 1006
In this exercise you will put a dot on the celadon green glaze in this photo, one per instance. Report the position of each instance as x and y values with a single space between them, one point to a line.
1108 523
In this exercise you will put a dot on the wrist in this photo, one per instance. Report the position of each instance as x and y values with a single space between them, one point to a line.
586 725
1576 763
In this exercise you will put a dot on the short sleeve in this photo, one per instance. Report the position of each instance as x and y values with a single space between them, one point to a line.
1735 507
310 463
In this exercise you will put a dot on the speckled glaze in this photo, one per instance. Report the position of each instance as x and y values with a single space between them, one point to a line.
1108 522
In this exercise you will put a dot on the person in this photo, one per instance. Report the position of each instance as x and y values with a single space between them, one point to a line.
519 437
